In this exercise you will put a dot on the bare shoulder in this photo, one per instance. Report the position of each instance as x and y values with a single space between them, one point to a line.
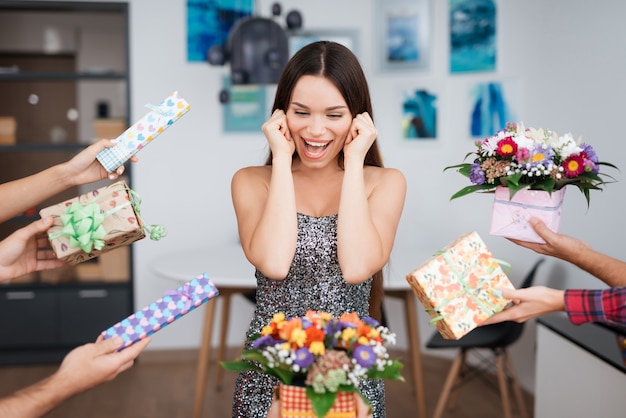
383 176
252 175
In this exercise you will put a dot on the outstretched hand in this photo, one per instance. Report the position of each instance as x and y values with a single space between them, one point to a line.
528 303
27 250
556 245
85 168
92 364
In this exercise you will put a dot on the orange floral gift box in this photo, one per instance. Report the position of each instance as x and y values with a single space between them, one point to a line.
457 286
96 222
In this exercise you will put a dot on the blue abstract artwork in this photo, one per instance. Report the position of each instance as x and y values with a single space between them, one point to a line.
419 115
210 21
472 35
490 111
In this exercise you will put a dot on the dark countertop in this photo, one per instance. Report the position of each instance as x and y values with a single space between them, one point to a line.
605 342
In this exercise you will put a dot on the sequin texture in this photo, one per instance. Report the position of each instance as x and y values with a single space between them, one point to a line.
314 282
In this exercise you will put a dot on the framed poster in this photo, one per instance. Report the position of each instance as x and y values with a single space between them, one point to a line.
246 109
347 38
472 36
209 23
404 34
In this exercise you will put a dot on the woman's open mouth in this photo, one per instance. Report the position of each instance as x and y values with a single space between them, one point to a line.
315 149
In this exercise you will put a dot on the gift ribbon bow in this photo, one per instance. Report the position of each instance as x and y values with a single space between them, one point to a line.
161 110
155 232
487 307
82 225
184 293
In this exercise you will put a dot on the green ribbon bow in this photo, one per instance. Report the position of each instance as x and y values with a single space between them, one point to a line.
82 225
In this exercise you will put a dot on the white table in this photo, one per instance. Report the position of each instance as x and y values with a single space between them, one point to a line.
232 273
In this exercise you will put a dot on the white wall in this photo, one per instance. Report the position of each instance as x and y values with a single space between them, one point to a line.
567 55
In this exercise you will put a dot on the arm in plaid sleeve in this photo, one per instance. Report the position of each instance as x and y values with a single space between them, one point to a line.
607 305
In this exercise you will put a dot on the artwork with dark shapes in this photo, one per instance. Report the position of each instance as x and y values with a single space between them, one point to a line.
210 21
490 111
419 115
472 35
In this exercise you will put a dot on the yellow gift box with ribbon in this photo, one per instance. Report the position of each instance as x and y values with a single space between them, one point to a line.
458 286
91 224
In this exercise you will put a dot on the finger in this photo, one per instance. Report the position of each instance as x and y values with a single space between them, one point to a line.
107 346
49 264
35 228
130 353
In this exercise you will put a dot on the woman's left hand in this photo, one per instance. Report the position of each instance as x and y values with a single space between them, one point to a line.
362 409
361 136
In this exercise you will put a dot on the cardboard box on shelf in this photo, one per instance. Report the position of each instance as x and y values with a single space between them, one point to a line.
108 128
8 127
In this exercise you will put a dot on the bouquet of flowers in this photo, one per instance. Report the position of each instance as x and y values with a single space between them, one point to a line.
323 353
526 158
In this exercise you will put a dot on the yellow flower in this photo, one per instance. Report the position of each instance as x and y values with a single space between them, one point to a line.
298 337
317 348
348 333
364 341
267 330
278 317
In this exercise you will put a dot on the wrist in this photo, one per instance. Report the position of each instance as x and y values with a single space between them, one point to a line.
557 299
63 175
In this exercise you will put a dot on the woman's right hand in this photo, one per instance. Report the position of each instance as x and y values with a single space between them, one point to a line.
277 134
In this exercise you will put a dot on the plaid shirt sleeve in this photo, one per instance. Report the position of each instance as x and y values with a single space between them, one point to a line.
607 305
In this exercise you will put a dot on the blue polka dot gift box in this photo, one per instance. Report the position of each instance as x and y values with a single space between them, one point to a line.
163 311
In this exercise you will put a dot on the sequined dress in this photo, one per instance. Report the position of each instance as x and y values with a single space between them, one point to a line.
314 282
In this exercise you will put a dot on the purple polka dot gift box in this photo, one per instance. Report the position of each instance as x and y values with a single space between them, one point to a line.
163 311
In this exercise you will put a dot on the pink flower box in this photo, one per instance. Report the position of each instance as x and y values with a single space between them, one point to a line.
510 217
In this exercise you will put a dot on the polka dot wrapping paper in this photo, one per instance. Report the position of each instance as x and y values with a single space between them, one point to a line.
173 305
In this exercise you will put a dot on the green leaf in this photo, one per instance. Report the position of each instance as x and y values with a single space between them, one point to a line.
392 372
240 366
471 189
321 402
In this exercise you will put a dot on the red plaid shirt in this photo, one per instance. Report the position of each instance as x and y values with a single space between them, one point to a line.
607 305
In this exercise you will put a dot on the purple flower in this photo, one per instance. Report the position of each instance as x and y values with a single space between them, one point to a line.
364 356
591 153
304 358
264 341
477 175
541 156
371 321
591 159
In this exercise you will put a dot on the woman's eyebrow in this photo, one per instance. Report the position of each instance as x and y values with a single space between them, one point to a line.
328 109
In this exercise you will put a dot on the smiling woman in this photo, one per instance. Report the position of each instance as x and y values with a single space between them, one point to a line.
319 219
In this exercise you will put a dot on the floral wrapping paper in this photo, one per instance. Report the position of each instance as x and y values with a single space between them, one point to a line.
509 218
121 223
456 286
295 404
173 305
144 131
